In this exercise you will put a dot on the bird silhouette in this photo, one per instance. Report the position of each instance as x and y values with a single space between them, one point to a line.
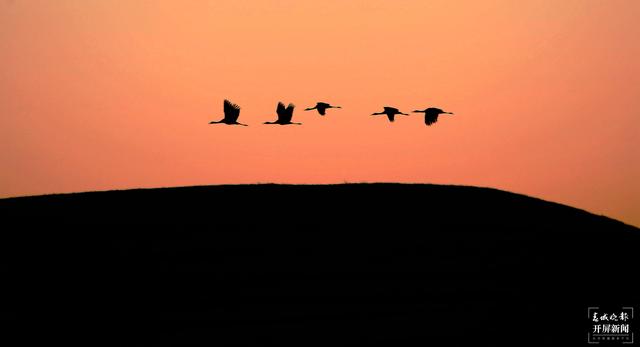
231 114
321 107
431 114
284 115
391 113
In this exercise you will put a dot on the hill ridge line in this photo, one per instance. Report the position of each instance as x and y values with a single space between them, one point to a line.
203 188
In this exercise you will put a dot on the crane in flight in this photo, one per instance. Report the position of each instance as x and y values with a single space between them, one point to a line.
391 113
284 115
231 114
431 114
321 107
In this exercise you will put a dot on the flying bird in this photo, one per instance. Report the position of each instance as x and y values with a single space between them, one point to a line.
321 107
284 115
391 113
431 114
231 114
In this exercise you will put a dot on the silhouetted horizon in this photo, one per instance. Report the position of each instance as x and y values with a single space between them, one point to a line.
363 264
103 93
318 185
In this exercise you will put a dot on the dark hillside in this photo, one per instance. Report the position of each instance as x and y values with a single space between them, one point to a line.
363 264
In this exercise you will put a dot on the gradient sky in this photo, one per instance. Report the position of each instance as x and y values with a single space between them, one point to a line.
101 94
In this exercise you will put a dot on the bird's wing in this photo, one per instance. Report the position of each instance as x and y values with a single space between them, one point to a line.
322 104
231 110
290 111
281 110
434 110
391 117
322 110
390 109
430 118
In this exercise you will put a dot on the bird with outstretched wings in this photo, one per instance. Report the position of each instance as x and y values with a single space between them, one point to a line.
390 112
285 114
321 107
431 114
231 114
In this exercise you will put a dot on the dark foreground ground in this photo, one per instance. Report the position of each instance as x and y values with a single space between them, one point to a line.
380 264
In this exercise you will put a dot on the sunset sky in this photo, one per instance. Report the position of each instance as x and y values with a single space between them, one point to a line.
116 94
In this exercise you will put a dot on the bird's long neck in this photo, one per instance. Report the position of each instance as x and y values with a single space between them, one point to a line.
310 108
377 113
215 122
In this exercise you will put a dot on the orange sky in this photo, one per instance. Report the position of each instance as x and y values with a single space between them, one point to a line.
98 94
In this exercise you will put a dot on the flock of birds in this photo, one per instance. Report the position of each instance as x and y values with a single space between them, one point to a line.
285 114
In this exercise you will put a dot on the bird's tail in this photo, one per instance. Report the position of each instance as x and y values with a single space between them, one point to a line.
377 113
418 111
309 109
